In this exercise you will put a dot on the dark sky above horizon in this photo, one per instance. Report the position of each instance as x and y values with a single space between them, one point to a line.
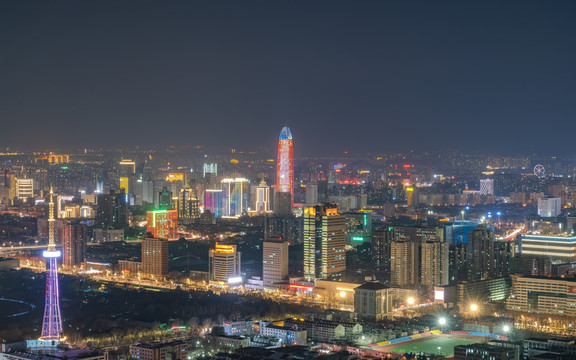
478 76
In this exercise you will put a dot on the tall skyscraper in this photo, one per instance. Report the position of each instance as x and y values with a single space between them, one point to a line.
126 170
224 263
52 324
480 253
434 265
213 201
381 247
112 210
404 264
74 238
324 242
285 165
260 198
274 262
24 188
234 197
188 204
155 256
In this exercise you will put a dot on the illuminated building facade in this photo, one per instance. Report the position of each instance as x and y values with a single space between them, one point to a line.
155 256
542 295
358 227
234 197
324 242
74 238
24 188
163 224
434 265
285 164
224 263
127 169
213 201
562 248
404 264
188 204
260 198
52 324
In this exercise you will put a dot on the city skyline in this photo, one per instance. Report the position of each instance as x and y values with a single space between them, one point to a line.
369 77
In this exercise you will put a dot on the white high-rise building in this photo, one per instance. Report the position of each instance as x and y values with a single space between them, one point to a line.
224 264
274 262
24 188
549 206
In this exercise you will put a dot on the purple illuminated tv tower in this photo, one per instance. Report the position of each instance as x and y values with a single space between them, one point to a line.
52 325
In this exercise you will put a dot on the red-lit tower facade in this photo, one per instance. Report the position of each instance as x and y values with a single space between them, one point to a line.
285 165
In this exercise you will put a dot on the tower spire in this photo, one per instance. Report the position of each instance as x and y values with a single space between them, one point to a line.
51 242
52 324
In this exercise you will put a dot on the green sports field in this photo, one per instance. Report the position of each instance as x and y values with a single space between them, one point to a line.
430 345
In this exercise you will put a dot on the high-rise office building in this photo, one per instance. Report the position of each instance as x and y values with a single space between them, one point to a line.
558 248
234 197
224 263
324 242
285 164
112 210
155 256
274 262
480 253
260 198
163 224
165 199
126 170
24 188
74 238
358 227
381 247
188 204
213 201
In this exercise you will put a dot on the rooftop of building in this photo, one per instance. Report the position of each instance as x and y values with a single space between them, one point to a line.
372 285
158 344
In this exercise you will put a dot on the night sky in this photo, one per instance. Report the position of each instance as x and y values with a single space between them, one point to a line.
477 76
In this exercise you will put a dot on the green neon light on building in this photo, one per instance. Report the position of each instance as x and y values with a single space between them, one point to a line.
357 238
154 212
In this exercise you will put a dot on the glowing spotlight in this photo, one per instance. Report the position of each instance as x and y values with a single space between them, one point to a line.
411 301
442 321
474 307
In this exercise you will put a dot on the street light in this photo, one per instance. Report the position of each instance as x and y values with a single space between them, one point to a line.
473 307
442 321
506 328
411 301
